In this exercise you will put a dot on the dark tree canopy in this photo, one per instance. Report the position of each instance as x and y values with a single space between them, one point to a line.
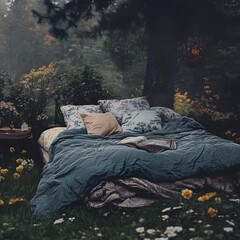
166 22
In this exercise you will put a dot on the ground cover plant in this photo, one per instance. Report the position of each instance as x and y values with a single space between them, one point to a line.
194 215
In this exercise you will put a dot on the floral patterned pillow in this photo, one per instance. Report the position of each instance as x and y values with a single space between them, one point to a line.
142 121
167 113
119 107
72 114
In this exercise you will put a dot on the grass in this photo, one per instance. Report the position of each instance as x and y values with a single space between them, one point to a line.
80 222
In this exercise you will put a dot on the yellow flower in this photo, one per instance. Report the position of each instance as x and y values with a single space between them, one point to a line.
19 160
12 149
1 202
207 196
14 200
1 178
23 151
3 171
212 212
218 200
16 176
19 169
187 193
202 199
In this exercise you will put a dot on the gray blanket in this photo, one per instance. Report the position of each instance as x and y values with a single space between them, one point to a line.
79 162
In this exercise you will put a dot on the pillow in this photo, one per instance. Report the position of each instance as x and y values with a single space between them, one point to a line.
72 114
119 107
167 113
48 136
142 121
102 124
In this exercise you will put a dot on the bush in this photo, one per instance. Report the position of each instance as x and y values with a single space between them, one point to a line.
80 86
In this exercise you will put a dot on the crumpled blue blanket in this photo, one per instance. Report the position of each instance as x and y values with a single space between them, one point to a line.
78 162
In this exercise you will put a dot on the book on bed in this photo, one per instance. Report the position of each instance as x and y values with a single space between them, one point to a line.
150 145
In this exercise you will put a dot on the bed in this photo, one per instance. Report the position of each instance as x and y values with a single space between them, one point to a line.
95 169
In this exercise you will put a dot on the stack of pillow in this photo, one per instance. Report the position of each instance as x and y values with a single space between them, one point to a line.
115 116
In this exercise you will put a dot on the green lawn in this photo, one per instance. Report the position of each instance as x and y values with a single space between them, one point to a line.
80 222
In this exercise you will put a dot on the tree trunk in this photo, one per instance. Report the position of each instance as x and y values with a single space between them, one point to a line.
161 62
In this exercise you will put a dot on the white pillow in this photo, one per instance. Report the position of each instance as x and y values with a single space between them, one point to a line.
72 114
142 121
167 113
119 107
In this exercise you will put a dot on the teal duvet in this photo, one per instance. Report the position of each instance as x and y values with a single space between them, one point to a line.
78 162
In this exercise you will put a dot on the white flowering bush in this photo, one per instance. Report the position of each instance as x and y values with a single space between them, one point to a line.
8 114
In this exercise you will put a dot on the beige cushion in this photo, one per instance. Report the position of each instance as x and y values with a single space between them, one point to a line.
48 136
102 124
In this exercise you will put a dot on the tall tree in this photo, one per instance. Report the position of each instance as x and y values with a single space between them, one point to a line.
162 20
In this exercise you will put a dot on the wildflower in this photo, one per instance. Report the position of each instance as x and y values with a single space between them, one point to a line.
1 202
19 160
19 168
166 209
172 231
189 211
99 235
140 229
230 223
28 164
218 200
161 238
212 212
177 208
15 200
151 231
16 176
59 221
191 229
228 229
187 193
12 149
202 199
207 196
3 171
71 219
165 217
1 178
23 151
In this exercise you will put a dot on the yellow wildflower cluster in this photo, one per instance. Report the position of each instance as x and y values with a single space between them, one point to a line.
212 212
12 149
40 79
182 103
187 193
207 196
3 173
206 106
12 201
15 200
